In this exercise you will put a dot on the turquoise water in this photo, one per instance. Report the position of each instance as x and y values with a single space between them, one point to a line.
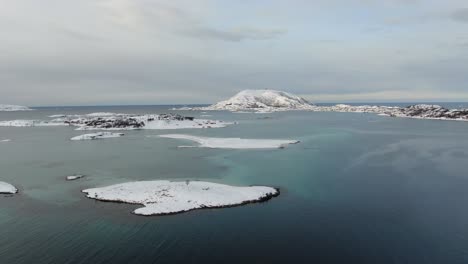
359 188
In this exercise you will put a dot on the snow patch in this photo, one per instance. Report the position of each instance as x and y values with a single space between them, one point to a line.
99 135
182 124
233 143
104 114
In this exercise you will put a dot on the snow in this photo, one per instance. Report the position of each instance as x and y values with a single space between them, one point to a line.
354 108
111 121
165 197
11 108
182 124
99 135
74 177
268 101
419 111
5 140
30 123
233 143
260 100
6 188
103 114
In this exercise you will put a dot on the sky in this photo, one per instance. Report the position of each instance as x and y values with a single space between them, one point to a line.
108 52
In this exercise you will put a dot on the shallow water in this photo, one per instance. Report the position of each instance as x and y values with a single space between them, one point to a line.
359 188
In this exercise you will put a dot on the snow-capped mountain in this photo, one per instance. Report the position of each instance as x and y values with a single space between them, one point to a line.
262 100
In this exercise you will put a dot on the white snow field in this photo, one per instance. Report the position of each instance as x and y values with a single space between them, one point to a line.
233 143
165 197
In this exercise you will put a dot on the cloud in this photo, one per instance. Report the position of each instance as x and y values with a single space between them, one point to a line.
77 34
158 16
460 15
185 51
234 35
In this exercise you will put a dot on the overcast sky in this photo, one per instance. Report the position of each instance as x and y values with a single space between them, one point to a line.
88 52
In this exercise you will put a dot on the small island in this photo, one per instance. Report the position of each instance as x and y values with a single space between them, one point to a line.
166 197
74 177
113 121
233 143
13 108
98 135
6 188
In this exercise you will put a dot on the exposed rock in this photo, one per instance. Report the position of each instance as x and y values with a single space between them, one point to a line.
430 112
116 122
110 121
422 111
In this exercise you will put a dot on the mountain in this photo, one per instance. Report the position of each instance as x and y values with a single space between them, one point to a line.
262 100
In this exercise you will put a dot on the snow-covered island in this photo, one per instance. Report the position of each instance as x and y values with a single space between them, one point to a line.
74 177
6 188
30 123
111 121
233 143
12 108
259 101
420 111
125 122
345 108
99 135
424 111
267 101
166 197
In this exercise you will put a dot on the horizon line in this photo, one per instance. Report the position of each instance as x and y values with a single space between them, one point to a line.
325 102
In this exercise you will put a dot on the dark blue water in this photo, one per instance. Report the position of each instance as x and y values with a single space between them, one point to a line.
359 188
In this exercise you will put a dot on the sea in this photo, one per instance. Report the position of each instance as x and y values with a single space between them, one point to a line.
358 188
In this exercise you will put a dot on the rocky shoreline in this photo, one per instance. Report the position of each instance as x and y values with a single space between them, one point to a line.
111 121
420 111
119 121
430 112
